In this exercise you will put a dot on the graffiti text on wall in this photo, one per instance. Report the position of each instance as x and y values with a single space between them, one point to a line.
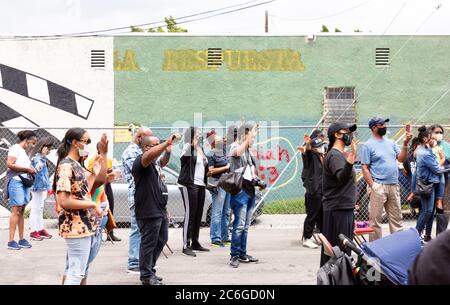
126 63
235 60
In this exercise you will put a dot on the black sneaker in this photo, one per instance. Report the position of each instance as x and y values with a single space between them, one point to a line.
218 244
200 248
248 259
153 281
234 262
189 252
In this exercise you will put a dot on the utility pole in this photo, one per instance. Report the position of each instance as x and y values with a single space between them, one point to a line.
267 22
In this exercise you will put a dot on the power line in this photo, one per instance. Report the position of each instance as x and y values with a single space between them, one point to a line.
223 13
156 22
324 17
395 17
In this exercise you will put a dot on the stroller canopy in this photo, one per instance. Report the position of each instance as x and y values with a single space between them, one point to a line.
396 253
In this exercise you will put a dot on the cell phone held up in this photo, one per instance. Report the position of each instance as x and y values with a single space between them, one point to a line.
176 138
408 128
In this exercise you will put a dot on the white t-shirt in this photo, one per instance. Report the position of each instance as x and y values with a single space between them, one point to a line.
21 156
199 172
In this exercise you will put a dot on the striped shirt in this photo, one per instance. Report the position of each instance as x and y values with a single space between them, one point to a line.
129 155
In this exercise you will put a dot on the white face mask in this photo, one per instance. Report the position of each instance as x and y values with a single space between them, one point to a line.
84 152
321 149
438 136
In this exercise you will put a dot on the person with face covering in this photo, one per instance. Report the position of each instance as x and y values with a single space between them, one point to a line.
379 157
17 191
339 185
192 181
430 172
220 211
439 146
243 203
78 220
312 155
40 188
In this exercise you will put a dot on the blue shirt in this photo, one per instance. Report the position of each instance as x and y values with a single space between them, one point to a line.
381 157
41 179
428 169
129 155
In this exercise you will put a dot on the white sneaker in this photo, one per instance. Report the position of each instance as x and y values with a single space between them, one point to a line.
308 243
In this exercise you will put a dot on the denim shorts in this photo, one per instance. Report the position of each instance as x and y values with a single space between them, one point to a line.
19 195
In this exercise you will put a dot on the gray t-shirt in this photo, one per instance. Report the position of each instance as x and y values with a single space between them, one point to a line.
237 163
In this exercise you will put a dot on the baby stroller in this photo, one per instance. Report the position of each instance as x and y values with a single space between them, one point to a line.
382 262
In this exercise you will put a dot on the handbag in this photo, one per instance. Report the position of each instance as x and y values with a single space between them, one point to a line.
111 224
27 182
232 182
424 188
212 184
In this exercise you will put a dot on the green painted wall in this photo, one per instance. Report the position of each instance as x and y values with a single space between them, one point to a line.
418 73
146 94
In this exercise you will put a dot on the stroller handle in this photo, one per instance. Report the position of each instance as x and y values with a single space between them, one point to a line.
348 244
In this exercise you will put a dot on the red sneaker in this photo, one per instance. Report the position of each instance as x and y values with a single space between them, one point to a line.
44 234
36 236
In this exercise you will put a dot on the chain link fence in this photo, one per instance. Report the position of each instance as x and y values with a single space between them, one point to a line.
274 149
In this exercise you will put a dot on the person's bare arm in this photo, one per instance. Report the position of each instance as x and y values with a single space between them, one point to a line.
164 160
11 164
367 175
241 149
401 157
100 178
218 170
67 201
155 152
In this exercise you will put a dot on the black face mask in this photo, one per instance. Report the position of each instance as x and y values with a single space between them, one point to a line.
347 138
382 131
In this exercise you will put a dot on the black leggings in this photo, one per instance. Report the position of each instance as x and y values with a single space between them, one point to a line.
193 200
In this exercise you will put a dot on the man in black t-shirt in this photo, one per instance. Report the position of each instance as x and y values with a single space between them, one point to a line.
150 204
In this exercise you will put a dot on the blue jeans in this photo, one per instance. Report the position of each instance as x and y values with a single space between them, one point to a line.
96 242
135 242
441 189
425 220
242 204
220 215
78 250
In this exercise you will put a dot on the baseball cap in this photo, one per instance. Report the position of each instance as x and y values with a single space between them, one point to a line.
377 121
335 127
317 142
316 133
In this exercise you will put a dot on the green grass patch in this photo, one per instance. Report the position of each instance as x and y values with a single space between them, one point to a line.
285 206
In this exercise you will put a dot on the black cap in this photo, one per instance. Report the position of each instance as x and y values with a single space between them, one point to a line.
317 142
335 127
316 133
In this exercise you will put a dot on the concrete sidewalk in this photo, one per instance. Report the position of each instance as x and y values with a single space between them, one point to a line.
275 240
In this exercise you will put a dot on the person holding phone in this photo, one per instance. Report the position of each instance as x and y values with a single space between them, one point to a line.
379 157
192 181
243 203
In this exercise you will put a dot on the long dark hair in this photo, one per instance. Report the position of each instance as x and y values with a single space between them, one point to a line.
64 148
189 135
433 127
44 142
424 133
26 134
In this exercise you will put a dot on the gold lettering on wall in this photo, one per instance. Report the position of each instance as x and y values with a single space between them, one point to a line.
235 60
128 63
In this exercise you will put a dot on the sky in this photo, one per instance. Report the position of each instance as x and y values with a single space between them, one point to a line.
297 17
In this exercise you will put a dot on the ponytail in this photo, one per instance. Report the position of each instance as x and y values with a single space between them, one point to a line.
424 133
